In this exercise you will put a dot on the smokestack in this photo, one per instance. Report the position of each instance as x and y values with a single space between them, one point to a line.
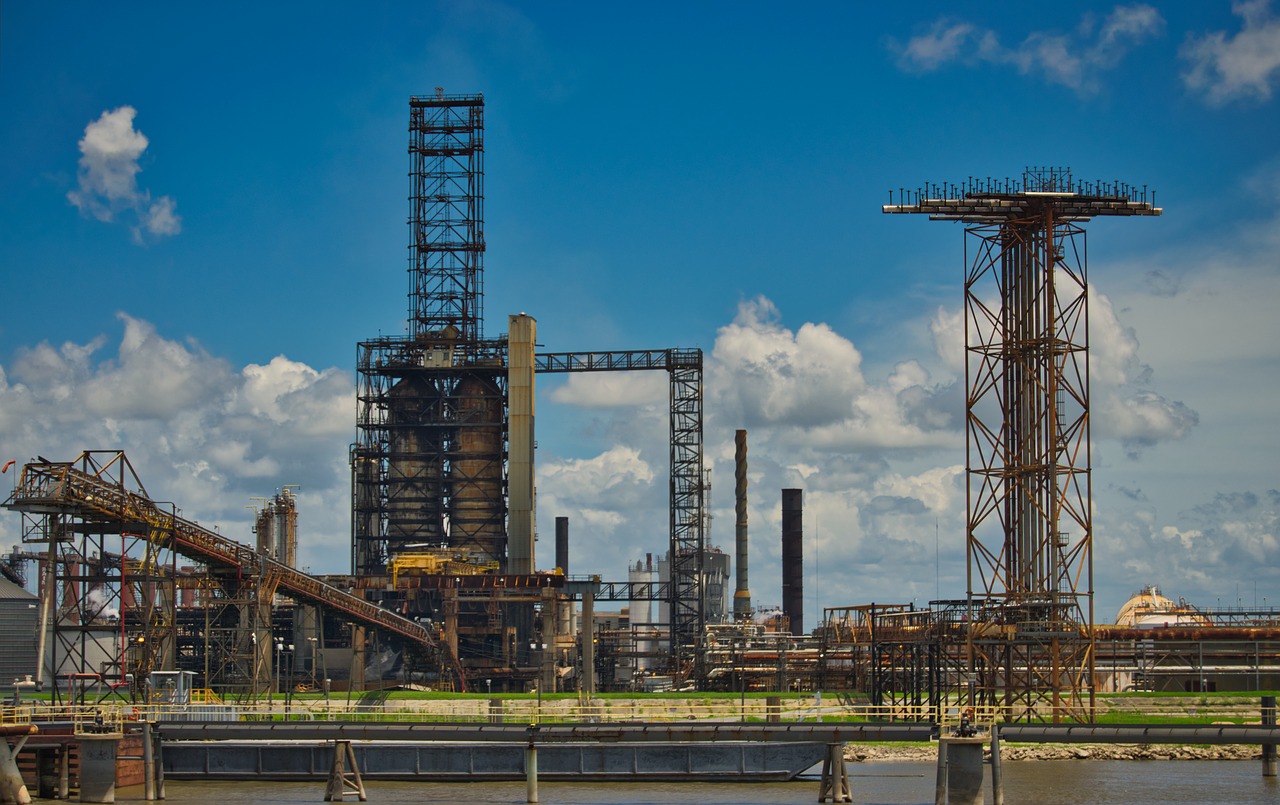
742 595
562 544
793 558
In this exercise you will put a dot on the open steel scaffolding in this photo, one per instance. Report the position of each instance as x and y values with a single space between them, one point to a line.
1029 532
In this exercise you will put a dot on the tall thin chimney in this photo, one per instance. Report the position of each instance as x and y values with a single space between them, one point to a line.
793 558
562 544
742 595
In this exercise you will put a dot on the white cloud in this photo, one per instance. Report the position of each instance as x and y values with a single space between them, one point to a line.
808 383
944 42
1073 60
1205 553
108 177
613 389
198 432
1244 65
616 504
760 372
619 467
1125 407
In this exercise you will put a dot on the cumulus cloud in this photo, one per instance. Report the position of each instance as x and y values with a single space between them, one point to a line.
198 431
612 389
616 503
809 382
1073 60
764 373
108 178
1125 406
1204 553
1244 65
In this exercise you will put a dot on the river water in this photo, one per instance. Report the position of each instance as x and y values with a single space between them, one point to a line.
1085 782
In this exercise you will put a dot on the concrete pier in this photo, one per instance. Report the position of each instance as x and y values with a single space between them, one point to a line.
98 766
962 760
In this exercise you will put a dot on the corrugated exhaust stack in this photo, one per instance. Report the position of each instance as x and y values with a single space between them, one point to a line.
562 544
793 558
742 595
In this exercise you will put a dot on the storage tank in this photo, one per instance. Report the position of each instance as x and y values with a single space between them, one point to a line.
641 612
1148 609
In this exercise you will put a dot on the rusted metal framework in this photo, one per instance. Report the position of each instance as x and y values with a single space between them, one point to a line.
106 590
80 508
428 467
688 589
912 660
1029 528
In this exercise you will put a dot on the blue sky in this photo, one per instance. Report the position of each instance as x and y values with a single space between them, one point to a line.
204 210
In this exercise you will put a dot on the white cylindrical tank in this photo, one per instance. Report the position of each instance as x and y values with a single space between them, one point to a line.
642 613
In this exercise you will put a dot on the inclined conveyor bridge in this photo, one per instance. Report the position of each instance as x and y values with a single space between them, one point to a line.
93 494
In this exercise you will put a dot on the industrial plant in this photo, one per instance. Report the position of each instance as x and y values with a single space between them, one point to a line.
447 591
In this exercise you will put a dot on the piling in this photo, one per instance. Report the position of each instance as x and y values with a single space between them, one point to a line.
148 764
1268 750
531 772
940 781
344 774
997 775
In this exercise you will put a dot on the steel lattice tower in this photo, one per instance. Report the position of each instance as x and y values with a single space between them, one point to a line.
1029 529
428 468
446 148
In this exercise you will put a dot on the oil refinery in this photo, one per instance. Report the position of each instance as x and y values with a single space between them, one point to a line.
446 589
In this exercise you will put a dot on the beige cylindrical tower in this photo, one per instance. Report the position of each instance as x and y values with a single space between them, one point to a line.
522 334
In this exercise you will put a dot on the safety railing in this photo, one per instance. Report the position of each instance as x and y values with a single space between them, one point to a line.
521 710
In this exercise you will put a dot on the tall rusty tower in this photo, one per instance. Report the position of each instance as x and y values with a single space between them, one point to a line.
1029 530
428 467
